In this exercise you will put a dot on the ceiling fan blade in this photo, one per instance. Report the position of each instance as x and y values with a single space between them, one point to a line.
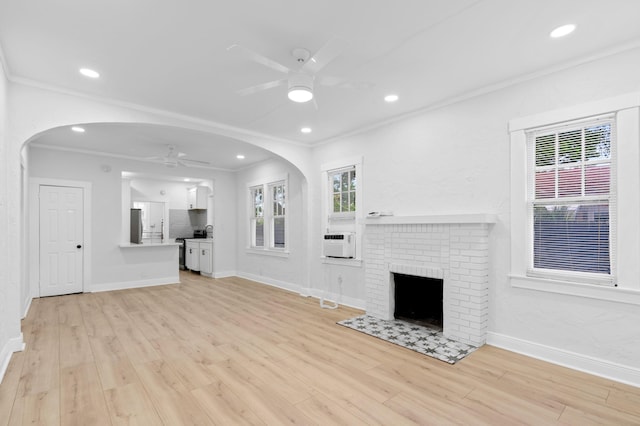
260 87
330 81
326 54
256 57
187 162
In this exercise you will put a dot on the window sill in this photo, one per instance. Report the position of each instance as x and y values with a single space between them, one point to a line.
267 252
353 263
590 291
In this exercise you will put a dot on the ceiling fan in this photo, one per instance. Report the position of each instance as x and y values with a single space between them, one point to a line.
175 159
299 82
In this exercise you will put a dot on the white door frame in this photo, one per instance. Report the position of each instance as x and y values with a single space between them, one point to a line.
34 230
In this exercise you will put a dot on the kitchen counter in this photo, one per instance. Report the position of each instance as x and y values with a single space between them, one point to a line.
165 244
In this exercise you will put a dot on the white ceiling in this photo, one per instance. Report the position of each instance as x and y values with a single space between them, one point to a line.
172 55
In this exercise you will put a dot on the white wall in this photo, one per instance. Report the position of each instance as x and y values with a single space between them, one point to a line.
455 159
113 266
10 304
287 272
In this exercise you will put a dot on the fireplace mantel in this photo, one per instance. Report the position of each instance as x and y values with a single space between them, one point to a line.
432 219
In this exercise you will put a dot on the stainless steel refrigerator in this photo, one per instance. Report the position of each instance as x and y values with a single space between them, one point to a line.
136 226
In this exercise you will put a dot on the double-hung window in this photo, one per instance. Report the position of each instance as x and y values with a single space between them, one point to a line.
277 193
267 215
343 191
257 216
571 200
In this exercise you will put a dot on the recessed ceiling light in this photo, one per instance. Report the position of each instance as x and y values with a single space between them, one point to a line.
77 129
187 180
306 130
562 31
87 72
240 157
391 98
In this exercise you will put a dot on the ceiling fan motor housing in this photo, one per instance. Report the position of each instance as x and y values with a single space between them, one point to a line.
300 84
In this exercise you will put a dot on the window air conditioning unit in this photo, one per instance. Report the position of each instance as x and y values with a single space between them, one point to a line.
340 244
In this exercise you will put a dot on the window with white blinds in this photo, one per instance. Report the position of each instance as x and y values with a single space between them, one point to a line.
571 198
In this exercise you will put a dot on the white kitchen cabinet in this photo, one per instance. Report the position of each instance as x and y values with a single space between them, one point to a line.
192 255
197 198
206 257
199 256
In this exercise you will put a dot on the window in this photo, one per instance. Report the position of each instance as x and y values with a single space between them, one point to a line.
571 199
343 191
257 216
267 216
277 214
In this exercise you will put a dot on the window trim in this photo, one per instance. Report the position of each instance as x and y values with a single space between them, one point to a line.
627 117
610 198
341 215
350 222
268 248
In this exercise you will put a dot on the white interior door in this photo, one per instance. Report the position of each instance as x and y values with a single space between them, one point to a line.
61 240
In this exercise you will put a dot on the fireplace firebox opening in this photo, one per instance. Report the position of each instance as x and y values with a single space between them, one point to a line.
418 300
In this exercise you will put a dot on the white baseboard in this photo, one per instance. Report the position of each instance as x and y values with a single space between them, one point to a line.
225 274
134 284
575 361
334 297
13 345
270 281
304 291
26 308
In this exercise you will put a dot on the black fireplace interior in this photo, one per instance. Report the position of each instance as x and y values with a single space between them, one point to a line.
418 299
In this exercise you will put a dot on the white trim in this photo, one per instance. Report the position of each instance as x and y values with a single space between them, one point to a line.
125 285
13 345
267 251
338 298
304 292
341 164
577 112
575 361
224 274
270 282
590 291
267 216
439 105
626 268
122 156
432 219
34 224
25 309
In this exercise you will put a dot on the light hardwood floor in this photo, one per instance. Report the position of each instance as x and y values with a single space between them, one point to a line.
231 351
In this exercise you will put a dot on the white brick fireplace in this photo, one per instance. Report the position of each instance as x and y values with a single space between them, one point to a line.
453 248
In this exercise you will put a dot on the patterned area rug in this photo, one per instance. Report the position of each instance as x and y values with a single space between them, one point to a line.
411 336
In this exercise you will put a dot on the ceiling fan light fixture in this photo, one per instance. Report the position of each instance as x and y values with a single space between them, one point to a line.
300 94
300 88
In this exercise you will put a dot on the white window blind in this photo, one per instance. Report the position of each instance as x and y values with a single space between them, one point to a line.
571 196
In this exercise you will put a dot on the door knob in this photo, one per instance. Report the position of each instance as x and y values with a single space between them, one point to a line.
79 246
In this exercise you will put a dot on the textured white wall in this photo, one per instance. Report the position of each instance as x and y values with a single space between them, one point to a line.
10 304
455 159
285 272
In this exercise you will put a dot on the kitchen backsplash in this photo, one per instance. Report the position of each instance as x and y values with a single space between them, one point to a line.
182 223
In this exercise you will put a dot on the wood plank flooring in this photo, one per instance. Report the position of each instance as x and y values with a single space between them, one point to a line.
231 351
